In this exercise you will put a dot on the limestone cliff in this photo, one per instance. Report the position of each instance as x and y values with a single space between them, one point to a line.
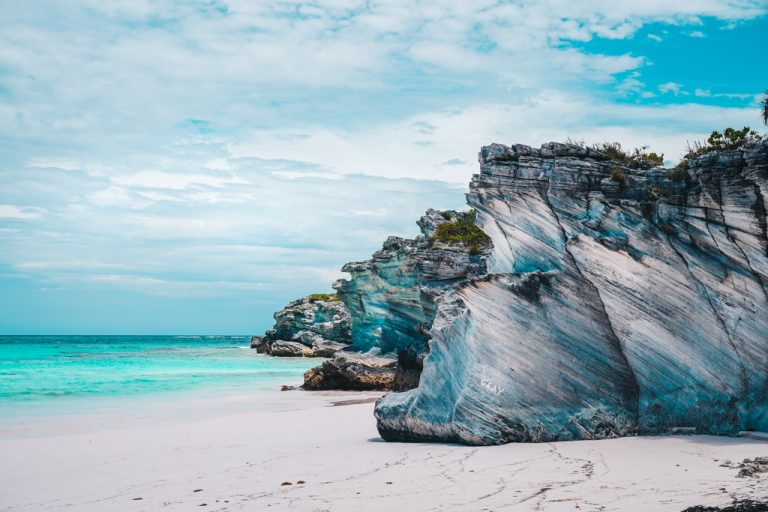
390 297
617 301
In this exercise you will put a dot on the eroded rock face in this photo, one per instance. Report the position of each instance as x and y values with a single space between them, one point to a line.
390 298
307 321
307 328
610 307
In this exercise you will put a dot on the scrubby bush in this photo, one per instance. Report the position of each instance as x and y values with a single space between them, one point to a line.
462 231
727 140
635 159
324 297
619 177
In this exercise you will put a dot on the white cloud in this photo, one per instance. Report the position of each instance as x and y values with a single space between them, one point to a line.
9 211
671 87
391 150
174 181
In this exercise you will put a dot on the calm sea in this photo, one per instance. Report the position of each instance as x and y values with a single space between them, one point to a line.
41 374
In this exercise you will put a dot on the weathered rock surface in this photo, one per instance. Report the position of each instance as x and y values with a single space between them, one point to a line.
307 327
283 348
308 321
390 297
750 468
610 308
352 372
259 344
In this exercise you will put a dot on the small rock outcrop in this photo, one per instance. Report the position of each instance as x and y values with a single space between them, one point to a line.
313 326
617 301
282 348
352 372
736 506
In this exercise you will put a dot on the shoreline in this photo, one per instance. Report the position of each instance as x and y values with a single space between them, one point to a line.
240 450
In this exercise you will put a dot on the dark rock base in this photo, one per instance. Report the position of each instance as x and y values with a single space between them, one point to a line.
737 506
352 373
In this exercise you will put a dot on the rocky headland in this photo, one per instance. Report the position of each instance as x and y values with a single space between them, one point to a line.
384 312
599 299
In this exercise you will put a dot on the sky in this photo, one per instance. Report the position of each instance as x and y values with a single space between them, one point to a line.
188 167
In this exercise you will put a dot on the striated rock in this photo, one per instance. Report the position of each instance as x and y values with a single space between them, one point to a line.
618 301
390 298
352 372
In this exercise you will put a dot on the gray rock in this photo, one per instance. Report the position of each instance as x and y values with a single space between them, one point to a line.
283 348
259 344
296 321
608 310
753 468
325 348
352 372
307 338
321 326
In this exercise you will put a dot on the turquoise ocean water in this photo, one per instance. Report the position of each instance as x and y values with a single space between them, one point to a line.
47 374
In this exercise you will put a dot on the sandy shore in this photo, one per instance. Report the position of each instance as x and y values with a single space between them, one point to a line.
234 454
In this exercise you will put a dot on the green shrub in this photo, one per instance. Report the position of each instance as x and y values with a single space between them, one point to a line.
324 297
635 159
619 177
446 215
462 231
727 140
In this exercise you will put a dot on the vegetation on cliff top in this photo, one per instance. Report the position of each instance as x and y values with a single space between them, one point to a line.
324 297
462 231
727 140
638 158
619 177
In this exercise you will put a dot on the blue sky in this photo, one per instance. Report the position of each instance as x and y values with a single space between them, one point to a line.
189 167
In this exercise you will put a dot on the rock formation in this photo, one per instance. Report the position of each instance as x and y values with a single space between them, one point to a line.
389 304
313 326
390 297
352 372
617 301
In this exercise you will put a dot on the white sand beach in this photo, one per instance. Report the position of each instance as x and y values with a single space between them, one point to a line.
236 453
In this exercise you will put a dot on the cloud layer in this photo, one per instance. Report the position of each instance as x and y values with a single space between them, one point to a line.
230 155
